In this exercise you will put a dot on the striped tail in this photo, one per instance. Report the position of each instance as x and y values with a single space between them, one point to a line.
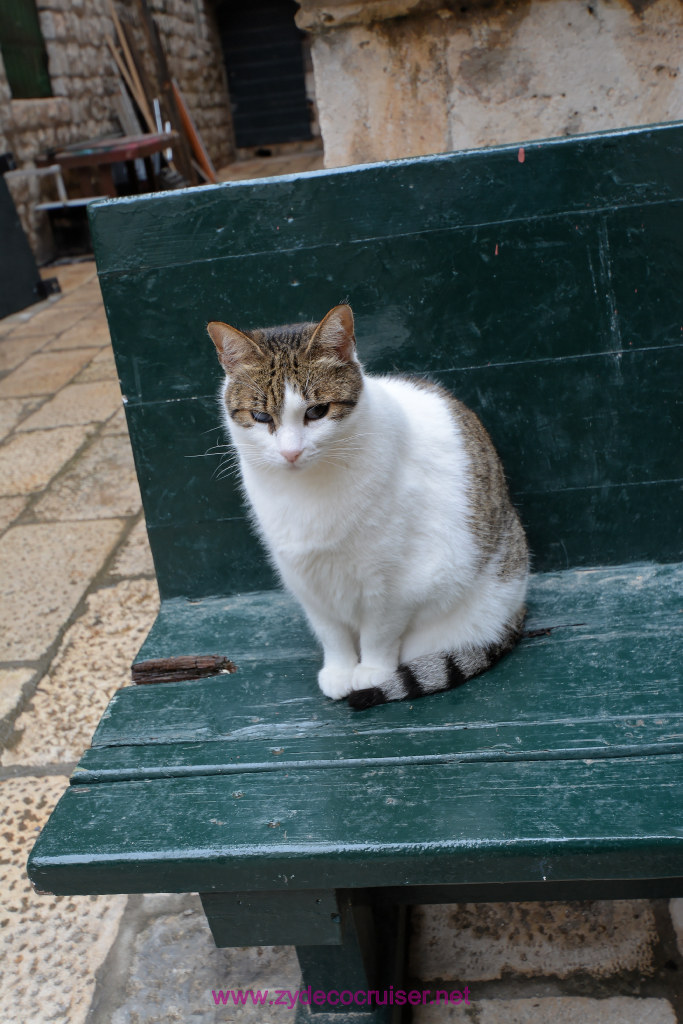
433 673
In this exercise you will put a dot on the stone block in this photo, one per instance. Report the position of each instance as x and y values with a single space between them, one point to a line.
436 79
12 682
22 343
102 483
29 461
102 367
117 424
135 557
51 946
93 662
11 412
485 941
58 61
10 509
558 1009
90 330
47 568
75 404
178 945
45 373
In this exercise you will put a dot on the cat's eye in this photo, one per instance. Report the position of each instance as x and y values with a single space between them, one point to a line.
261 417
317 412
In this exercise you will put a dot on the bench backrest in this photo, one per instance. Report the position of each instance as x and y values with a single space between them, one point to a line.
543 285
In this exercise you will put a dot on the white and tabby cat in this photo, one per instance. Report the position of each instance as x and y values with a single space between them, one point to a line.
383 505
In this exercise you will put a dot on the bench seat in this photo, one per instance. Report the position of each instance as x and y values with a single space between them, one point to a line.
529 774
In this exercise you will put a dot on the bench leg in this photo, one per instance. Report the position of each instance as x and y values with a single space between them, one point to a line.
359 977
355 949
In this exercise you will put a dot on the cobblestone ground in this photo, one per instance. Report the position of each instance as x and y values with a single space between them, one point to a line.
77 594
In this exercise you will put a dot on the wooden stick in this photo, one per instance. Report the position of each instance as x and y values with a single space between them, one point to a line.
182 151
139 91
138 63
172 670
200 171
125 74
196 141
125 111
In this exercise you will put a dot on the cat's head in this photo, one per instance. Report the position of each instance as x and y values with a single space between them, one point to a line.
291 391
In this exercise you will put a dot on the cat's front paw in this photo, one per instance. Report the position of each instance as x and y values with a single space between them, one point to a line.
335 682
366 676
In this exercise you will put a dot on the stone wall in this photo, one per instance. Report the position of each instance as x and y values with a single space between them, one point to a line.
85 84
398 78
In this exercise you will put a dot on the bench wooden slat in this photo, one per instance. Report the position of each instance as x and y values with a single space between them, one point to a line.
551 290
645 734
556 330
547 447
604 682
369 826
574 176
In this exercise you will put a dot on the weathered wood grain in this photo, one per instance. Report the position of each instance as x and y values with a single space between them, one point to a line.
370 826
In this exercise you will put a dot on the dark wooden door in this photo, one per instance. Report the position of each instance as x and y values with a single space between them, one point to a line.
262 48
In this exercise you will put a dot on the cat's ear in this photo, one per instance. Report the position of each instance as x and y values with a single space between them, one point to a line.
232 346
335 331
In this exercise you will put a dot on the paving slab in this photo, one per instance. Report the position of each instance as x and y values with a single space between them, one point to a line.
135 556
484 941
173 969
88 294
91 330
50 946
102 367
12 410
76 403
16 348
29 461
22 316
72 275
46 569
100 484
57 317
86 297
12 682
10 508
551 1010
44 373
93 661
117 424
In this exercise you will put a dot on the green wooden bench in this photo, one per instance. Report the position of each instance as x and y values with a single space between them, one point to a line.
544 287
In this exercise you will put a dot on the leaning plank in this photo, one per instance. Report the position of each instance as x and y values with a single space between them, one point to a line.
131 73
192 132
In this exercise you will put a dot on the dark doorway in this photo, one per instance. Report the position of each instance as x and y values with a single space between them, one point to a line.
263 53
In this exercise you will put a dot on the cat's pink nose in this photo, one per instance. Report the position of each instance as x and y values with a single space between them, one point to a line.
291 454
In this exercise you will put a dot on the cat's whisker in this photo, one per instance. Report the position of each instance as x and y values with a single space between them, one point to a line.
225 473
228 465
216 450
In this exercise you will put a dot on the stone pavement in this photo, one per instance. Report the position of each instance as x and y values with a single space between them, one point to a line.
77 594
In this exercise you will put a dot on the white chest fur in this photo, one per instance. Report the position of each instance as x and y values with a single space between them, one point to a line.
382 510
